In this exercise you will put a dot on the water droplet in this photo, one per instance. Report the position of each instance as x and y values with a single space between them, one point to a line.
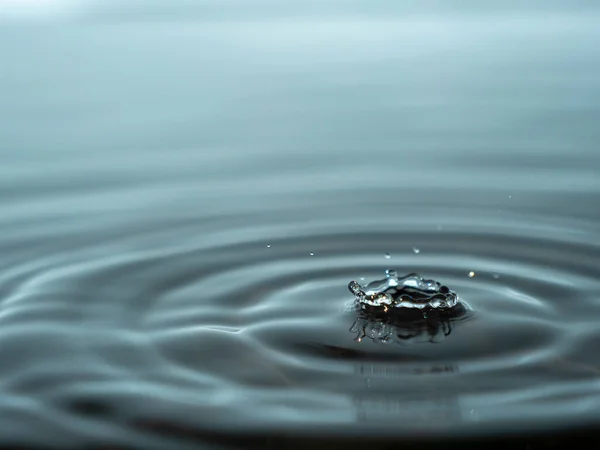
354 287
416 250
495 276
510 196
387 256
471 274
268 245
312 254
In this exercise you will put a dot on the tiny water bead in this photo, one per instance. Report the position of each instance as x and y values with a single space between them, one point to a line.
471 274
410 291
416 250
387 256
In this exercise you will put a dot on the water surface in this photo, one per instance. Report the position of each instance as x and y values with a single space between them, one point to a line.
186 191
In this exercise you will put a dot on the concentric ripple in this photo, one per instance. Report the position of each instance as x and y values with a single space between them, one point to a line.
262 332
187 189
526 303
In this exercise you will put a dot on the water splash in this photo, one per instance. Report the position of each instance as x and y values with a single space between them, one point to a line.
410 291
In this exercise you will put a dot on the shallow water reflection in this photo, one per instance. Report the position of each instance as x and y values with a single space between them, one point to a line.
406 326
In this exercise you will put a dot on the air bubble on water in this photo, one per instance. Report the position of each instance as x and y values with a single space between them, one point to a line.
392 277
410 291
471 274
311 254
268 245
387 256
416 250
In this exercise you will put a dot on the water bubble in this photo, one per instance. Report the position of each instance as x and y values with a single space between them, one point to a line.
471 274
268 245
510 196
311 254
495 276
387 256
416 250
391 273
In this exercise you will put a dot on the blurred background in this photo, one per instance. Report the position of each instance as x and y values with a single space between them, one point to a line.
187 187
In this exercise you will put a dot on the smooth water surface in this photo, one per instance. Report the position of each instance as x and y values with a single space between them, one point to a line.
186 189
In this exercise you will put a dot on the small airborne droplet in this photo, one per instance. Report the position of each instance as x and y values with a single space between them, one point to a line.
312 254
268 245
416 250
471 274
387 256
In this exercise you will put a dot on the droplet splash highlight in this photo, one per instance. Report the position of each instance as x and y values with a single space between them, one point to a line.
410 291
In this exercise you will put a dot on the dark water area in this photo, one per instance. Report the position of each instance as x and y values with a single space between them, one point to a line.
187 188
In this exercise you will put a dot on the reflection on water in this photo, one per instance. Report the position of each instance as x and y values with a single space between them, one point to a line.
407 326
425 405
186 189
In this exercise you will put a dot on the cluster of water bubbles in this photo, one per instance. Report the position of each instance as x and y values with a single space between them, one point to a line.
410 291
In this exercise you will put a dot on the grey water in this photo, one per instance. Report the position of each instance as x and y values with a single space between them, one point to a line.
187 188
